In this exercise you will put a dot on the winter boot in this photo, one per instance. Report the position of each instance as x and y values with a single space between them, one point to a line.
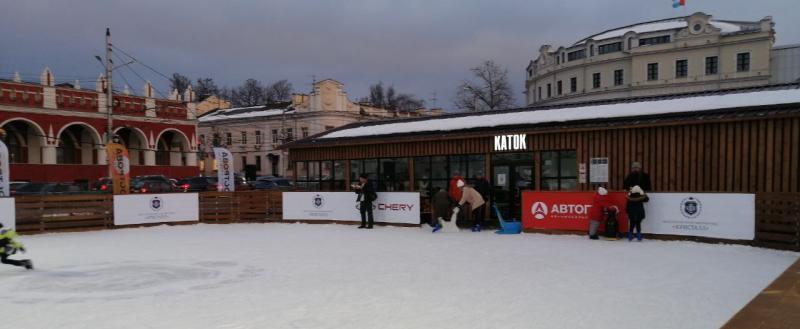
476 228
437 228
28 264
639 236
630 236
594 237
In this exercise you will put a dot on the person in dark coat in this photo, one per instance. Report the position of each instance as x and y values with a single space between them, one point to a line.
482 185
636 199
366 194
441 208
637 177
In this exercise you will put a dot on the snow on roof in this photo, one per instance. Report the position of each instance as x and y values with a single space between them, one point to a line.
243 113
670 24
605 111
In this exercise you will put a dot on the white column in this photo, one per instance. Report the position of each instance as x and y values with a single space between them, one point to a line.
49 154
149 158
102 156
191 159
175 156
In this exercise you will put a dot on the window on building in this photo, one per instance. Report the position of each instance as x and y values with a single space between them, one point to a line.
609 48
576 55
289 134
244 137
258 163
591 50
562 58
681 68
654 40
540 92
558 59
573 84
596 80
304 131
652 71
228 139
712 65
618 79
558 87
549 93
244 161
433 173
559 170
329 127
258 137
274 136
216 141
742 62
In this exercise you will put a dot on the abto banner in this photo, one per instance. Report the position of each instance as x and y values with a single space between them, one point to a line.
568 211
390 207
5 175
156 208
225 172
715 215
8 214
119 162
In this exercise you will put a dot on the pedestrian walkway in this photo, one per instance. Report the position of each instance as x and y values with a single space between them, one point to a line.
778 306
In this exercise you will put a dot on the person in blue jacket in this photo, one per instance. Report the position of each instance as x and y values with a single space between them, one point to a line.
9 246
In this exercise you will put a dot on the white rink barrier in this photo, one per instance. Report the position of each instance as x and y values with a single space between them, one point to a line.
714 215
390 207
156 208
8 213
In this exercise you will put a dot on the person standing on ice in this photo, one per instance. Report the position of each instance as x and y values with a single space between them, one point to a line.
470 195
597 211
636 199
441 208
637 177
366 194
9 246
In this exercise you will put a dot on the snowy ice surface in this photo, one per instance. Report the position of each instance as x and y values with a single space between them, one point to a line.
336 276
677 23
618 110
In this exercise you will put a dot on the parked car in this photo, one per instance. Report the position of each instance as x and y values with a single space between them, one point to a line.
271 183
209 183
49 189
14 185
151 184
103 184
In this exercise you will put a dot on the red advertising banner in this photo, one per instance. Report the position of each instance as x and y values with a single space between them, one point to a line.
567 211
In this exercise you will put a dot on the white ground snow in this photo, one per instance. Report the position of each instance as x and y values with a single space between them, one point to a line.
335 276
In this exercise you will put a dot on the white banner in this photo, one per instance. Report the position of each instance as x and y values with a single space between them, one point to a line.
8 214
390 207
5 175
225 172
156 208
714 215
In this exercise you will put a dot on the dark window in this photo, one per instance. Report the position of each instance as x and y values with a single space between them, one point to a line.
540 93
244 161
618 79
258 162
549 94
596 80
258 137
558 59
743 62
681 68
652 71
575 55
562 58
591 50
274 136
289 134
228 139
654 40
712 65
433 173
559 170
387 174
304 131
325 175
609 48
573 85
558 87
244 137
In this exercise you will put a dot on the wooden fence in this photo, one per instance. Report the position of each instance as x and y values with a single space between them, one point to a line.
778 221
37 214
242 206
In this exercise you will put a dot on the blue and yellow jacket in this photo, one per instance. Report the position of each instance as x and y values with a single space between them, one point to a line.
7 243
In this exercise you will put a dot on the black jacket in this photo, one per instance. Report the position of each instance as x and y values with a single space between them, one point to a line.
366 193
641 178
482 186
635 205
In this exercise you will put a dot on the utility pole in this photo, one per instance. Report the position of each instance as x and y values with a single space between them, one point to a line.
109 98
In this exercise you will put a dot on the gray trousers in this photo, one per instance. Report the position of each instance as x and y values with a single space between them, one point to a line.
593 225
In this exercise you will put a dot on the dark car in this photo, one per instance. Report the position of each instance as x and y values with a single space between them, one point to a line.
103 184
49 189
210 183
151 184
271 183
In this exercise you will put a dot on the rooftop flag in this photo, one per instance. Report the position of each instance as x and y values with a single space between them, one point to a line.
678 3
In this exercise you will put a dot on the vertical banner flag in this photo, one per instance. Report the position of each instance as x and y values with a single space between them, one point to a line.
678 3
120 167
224 170
5 175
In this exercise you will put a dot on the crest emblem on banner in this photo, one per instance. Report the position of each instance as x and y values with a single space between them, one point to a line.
156 203
539 210
691 207
319 201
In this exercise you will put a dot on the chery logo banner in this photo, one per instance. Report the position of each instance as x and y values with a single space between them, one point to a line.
567 211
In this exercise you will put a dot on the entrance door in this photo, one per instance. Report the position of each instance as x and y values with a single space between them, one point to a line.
511 174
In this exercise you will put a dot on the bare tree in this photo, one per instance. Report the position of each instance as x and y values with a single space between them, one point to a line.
280 91
491 90
406 103
179 82
250 93
205 88
376 97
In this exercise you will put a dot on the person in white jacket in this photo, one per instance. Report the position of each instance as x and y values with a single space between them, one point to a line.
470 195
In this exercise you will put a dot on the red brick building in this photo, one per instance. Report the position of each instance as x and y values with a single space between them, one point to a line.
56 132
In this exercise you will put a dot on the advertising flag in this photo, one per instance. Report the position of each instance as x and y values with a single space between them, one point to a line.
5 175
225 170
120 166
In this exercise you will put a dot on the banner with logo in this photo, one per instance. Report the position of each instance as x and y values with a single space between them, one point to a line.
120 165
714 215
225 172
8 214
135 209
5 174
568 211
390 207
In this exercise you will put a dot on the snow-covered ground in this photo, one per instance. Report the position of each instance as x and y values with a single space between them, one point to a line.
334 276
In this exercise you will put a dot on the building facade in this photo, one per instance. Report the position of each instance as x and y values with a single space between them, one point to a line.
676 55
255 134
56 133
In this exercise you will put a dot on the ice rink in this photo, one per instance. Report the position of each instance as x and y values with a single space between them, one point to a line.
335 276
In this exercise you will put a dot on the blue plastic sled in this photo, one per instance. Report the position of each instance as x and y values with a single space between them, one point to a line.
510 227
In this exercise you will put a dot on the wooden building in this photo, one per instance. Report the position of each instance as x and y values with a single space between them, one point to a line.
736 140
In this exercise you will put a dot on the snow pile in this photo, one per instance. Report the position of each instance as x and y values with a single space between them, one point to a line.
331 276
227 114
618 110
677 23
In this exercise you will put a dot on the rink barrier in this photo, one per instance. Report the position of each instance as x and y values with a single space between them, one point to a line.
778 221
36 214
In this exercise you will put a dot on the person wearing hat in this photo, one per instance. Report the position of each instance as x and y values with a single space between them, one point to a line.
637 177
600 205
366 194
9 246
470 195
635 207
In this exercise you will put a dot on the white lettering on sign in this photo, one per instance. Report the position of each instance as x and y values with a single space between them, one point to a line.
510 142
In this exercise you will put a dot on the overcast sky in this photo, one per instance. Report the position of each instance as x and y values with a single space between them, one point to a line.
419 46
